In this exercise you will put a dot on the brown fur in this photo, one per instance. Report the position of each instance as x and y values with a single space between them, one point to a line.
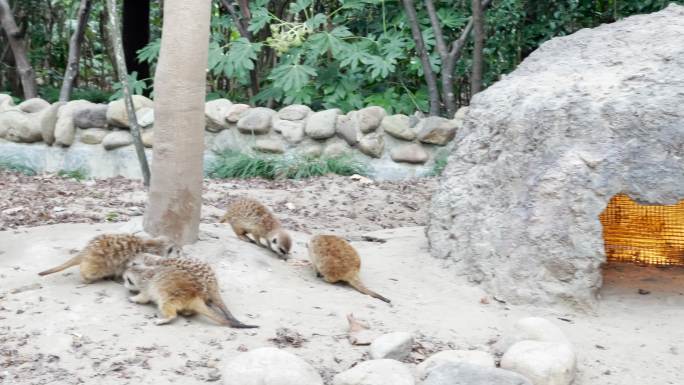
249 217
107 255
336 260
184 284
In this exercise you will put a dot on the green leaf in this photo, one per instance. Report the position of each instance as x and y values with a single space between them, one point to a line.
291 76
450 18
355 54
380 66
150 52
321 42
237 61
260 18
299 6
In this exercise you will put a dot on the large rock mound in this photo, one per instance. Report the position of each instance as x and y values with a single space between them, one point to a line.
541 153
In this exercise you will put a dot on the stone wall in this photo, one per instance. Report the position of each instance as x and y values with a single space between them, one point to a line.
394 146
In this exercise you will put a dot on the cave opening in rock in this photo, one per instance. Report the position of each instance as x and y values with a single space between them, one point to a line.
643 234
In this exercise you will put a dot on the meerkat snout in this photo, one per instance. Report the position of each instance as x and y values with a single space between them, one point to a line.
281 243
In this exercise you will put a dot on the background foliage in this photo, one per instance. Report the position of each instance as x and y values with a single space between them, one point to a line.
345 54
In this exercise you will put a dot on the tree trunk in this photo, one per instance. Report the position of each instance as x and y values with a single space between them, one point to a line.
478 47
430 78
136 35
16 42
75 51
175 197
120 64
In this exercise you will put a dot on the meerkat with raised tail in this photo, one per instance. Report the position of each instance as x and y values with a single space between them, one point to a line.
335 260
107 255
176 291
249 217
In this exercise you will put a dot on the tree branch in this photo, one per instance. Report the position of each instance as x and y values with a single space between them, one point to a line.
16 42
71 72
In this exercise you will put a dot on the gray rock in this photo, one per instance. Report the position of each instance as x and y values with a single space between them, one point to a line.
321 125
336 148
48 121
145 117
399 127
269 366
18 126
116 110
376 372
410 153
368 119
291 130
473 357
269 145
544 363
436 130
33 105
536 329
313 150
347 129
148 137
93 135
91 116
116 139
396 346
6 102
469 374
65 131
215 112
459 116
235 112
256 121
372 145
294 112
543 151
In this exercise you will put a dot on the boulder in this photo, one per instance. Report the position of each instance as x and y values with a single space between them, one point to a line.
459 116
436 130
313 150
537 329
6 102
145 117
269 145
33 105
410 153
543 151
65 131
215 113
148 137
116 139
116 110
336 148
291 130
347 129
91 116
269 366
321 125
376 372
372 145
294 112
235 112
368 119
396 346
256 121
399 127
48 121
469 374
543 363
18 126
93 135
472 357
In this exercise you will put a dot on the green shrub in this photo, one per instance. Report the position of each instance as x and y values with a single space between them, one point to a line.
10 165
78 174
234 164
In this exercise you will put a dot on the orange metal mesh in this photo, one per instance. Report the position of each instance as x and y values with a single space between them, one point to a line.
644 234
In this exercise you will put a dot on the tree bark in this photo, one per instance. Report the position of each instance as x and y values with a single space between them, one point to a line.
136 35
430 78
75 51
16 42
478 48
120 64
175 196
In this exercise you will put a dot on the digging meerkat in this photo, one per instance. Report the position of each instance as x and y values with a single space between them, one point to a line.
106 255
249 217
334 259
178 287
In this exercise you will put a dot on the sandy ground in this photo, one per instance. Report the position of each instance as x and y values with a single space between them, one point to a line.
55 330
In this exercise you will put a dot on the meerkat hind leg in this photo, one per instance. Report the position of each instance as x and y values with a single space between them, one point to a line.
168 314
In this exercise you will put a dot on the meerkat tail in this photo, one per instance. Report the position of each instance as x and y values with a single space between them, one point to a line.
201 308
358 285
233 322
72 262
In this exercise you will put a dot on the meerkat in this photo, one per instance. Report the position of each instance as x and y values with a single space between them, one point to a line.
249 217
107 255
176 290
334 259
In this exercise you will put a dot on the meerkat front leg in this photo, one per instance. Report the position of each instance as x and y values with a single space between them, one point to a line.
140 298
168 314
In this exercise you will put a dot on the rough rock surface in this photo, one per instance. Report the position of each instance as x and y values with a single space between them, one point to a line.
65 131
436 130
93 135
291 130
33 105
372 145
145 116
543 363
409 153
294 112
256 121
18 126
468 374
376 372
215 112
473 357
399 126
336 148
269 366
542 151
321 125
537 329
347 128
269 145
116 139
369 118
396 346
235 112
91 116
116 110
48 121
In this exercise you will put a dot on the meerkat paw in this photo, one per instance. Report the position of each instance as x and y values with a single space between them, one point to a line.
141 299
162 321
